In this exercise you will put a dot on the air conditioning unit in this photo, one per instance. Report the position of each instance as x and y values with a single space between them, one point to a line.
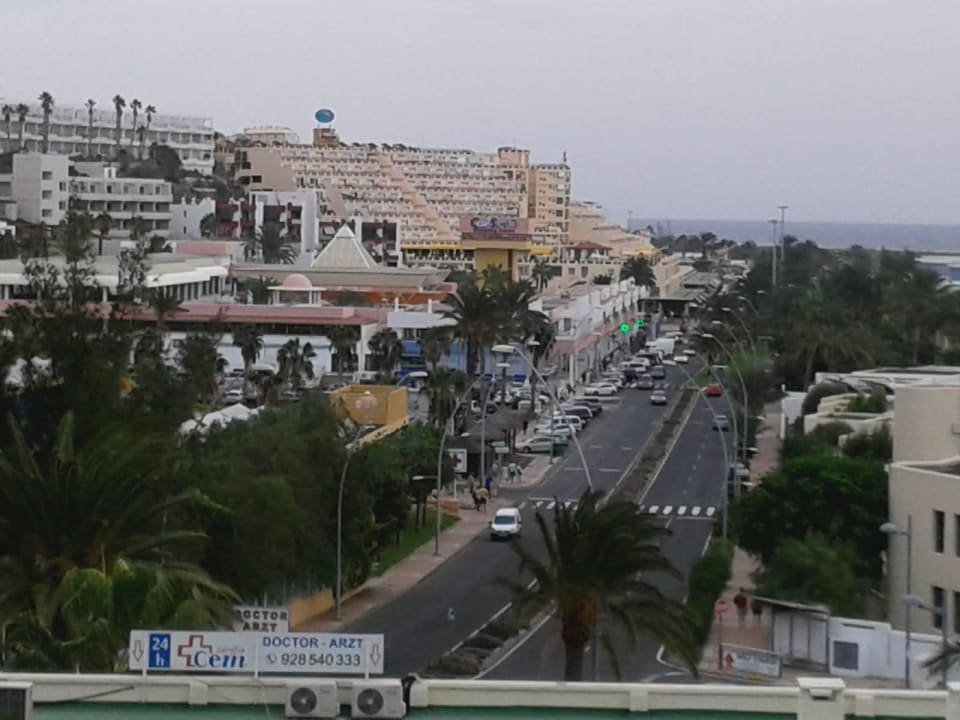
378 699
16 700
312 700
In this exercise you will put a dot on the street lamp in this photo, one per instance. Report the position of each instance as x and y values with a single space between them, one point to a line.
733 336
888 528
723 442
915 601
743 389
365 405
729 311
512 349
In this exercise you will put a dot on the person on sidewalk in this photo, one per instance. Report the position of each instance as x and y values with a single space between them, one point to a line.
740 602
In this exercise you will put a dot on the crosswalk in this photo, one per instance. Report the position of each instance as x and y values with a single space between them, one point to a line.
693 512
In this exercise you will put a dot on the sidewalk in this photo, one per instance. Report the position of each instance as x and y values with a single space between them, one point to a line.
380 591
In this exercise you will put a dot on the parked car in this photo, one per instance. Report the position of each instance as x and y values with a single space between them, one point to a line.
591 402
540 443
644 382
561 431
690 352
721 422
234 395
658 372
658 397
561 419
580 411
681 359
507 523
614 378
601 388
713 390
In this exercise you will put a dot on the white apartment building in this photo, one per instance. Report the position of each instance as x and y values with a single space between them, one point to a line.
268 136
186 216
97 189
36 189
191 137
925 494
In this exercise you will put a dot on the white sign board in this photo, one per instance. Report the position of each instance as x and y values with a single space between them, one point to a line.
262 619
250 652
458 456
750 661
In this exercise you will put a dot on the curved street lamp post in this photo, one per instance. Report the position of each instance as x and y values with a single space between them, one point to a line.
743 389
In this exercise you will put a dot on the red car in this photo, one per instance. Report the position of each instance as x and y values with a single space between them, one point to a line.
713 390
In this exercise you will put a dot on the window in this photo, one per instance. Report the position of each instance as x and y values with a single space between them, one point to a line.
846 655
938 531
46 175
938 603
956 612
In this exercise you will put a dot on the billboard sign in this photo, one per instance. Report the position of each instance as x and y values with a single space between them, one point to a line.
493 225
262 619
323 115
199 651
458 457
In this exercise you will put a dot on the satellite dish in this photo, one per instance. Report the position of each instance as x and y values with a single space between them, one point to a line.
323 116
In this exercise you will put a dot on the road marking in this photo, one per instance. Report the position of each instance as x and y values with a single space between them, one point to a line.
641 508
573 469
710 511
695 511
596 446
570 504
609 470
626 448
522 505
682 510
668 509
654 509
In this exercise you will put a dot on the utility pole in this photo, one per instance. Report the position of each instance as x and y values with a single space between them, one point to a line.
773 250
783 234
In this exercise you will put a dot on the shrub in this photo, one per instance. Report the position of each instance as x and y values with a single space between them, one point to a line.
875 402
818 392
708 578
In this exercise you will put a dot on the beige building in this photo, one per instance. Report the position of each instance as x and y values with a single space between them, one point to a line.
36 188
549 203
925 491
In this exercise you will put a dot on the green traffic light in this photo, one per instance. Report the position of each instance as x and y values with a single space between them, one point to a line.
624 328
640 324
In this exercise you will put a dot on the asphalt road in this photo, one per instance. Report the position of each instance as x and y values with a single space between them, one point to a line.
690 481
416 625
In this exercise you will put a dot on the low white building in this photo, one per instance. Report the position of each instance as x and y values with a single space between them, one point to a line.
96 189
186 217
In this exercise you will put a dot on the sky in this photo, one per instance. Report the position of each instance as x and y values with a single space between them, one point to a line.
845 110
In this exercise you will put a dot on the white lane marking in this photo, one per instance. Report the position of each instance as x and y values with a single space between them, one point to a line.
609 470
573 469
695 511
710 511
550 504
626 448
522 505
641 508
570 503
654 509
682 510
668 509
595 446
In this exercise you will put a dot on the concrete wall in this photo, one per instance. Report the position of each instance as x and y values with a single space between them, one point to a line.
926 418
185 218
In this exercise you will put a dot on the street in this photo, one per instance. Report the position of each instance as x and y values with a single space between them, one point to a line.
687 496
417 627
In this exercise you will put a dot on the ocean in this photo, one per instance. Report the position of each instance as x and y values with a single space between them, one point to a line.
929 238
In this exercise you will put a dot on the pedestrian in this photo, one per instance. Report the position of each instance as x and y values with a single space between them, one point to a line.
740 602
512 472
483 495
476 499
526 424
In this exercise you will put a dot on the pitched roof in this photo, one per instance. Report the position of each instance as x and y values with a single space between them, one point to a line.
344 252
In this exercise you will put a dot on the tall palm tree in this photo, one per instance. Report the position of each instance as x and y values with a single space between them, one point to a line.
46 104
273 246
118 105
597 573
443 387
164 306
259 290
90 104
344 339
22 112
295 362
135 106
639 269
103 223
474 312
434 344
6 112
148 113
541 274
386 349
249 339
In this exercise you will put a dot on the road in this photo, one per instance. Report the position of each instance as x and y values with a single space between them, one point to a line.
686 495
416 625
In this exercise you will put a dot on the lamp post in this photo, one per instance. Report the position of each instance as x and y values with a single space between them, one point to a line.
363 404
888 528
723 443
743 389
783 234
746 331
773 249
915 601
719 324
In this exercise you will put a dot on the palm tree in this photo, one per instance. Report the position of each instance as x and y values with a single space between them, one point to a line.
474 313
639 269
296 362
259 290
208 225
138 229
22 112
118 105
75 518
90 104
200 361
434 344
103 224
344 339
249 339
164 306
135 106
272 246
597 571
141 133
7 114
541 274
386 349
444 386
148 113
46 104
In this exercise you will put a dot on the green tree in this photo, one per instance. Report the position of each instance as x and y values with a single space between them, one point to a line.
813 569
22 112
876 445
443 388
208 225
605 279
474 312
597 573
435 343
269 244
387 349
844 499
296 362
541 274
249 338
638 268
118 105
258 289
6 112
343 339
199 361
46 105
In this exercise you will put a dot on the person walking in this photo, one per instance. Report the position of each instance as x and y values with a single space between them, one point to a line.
740 602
